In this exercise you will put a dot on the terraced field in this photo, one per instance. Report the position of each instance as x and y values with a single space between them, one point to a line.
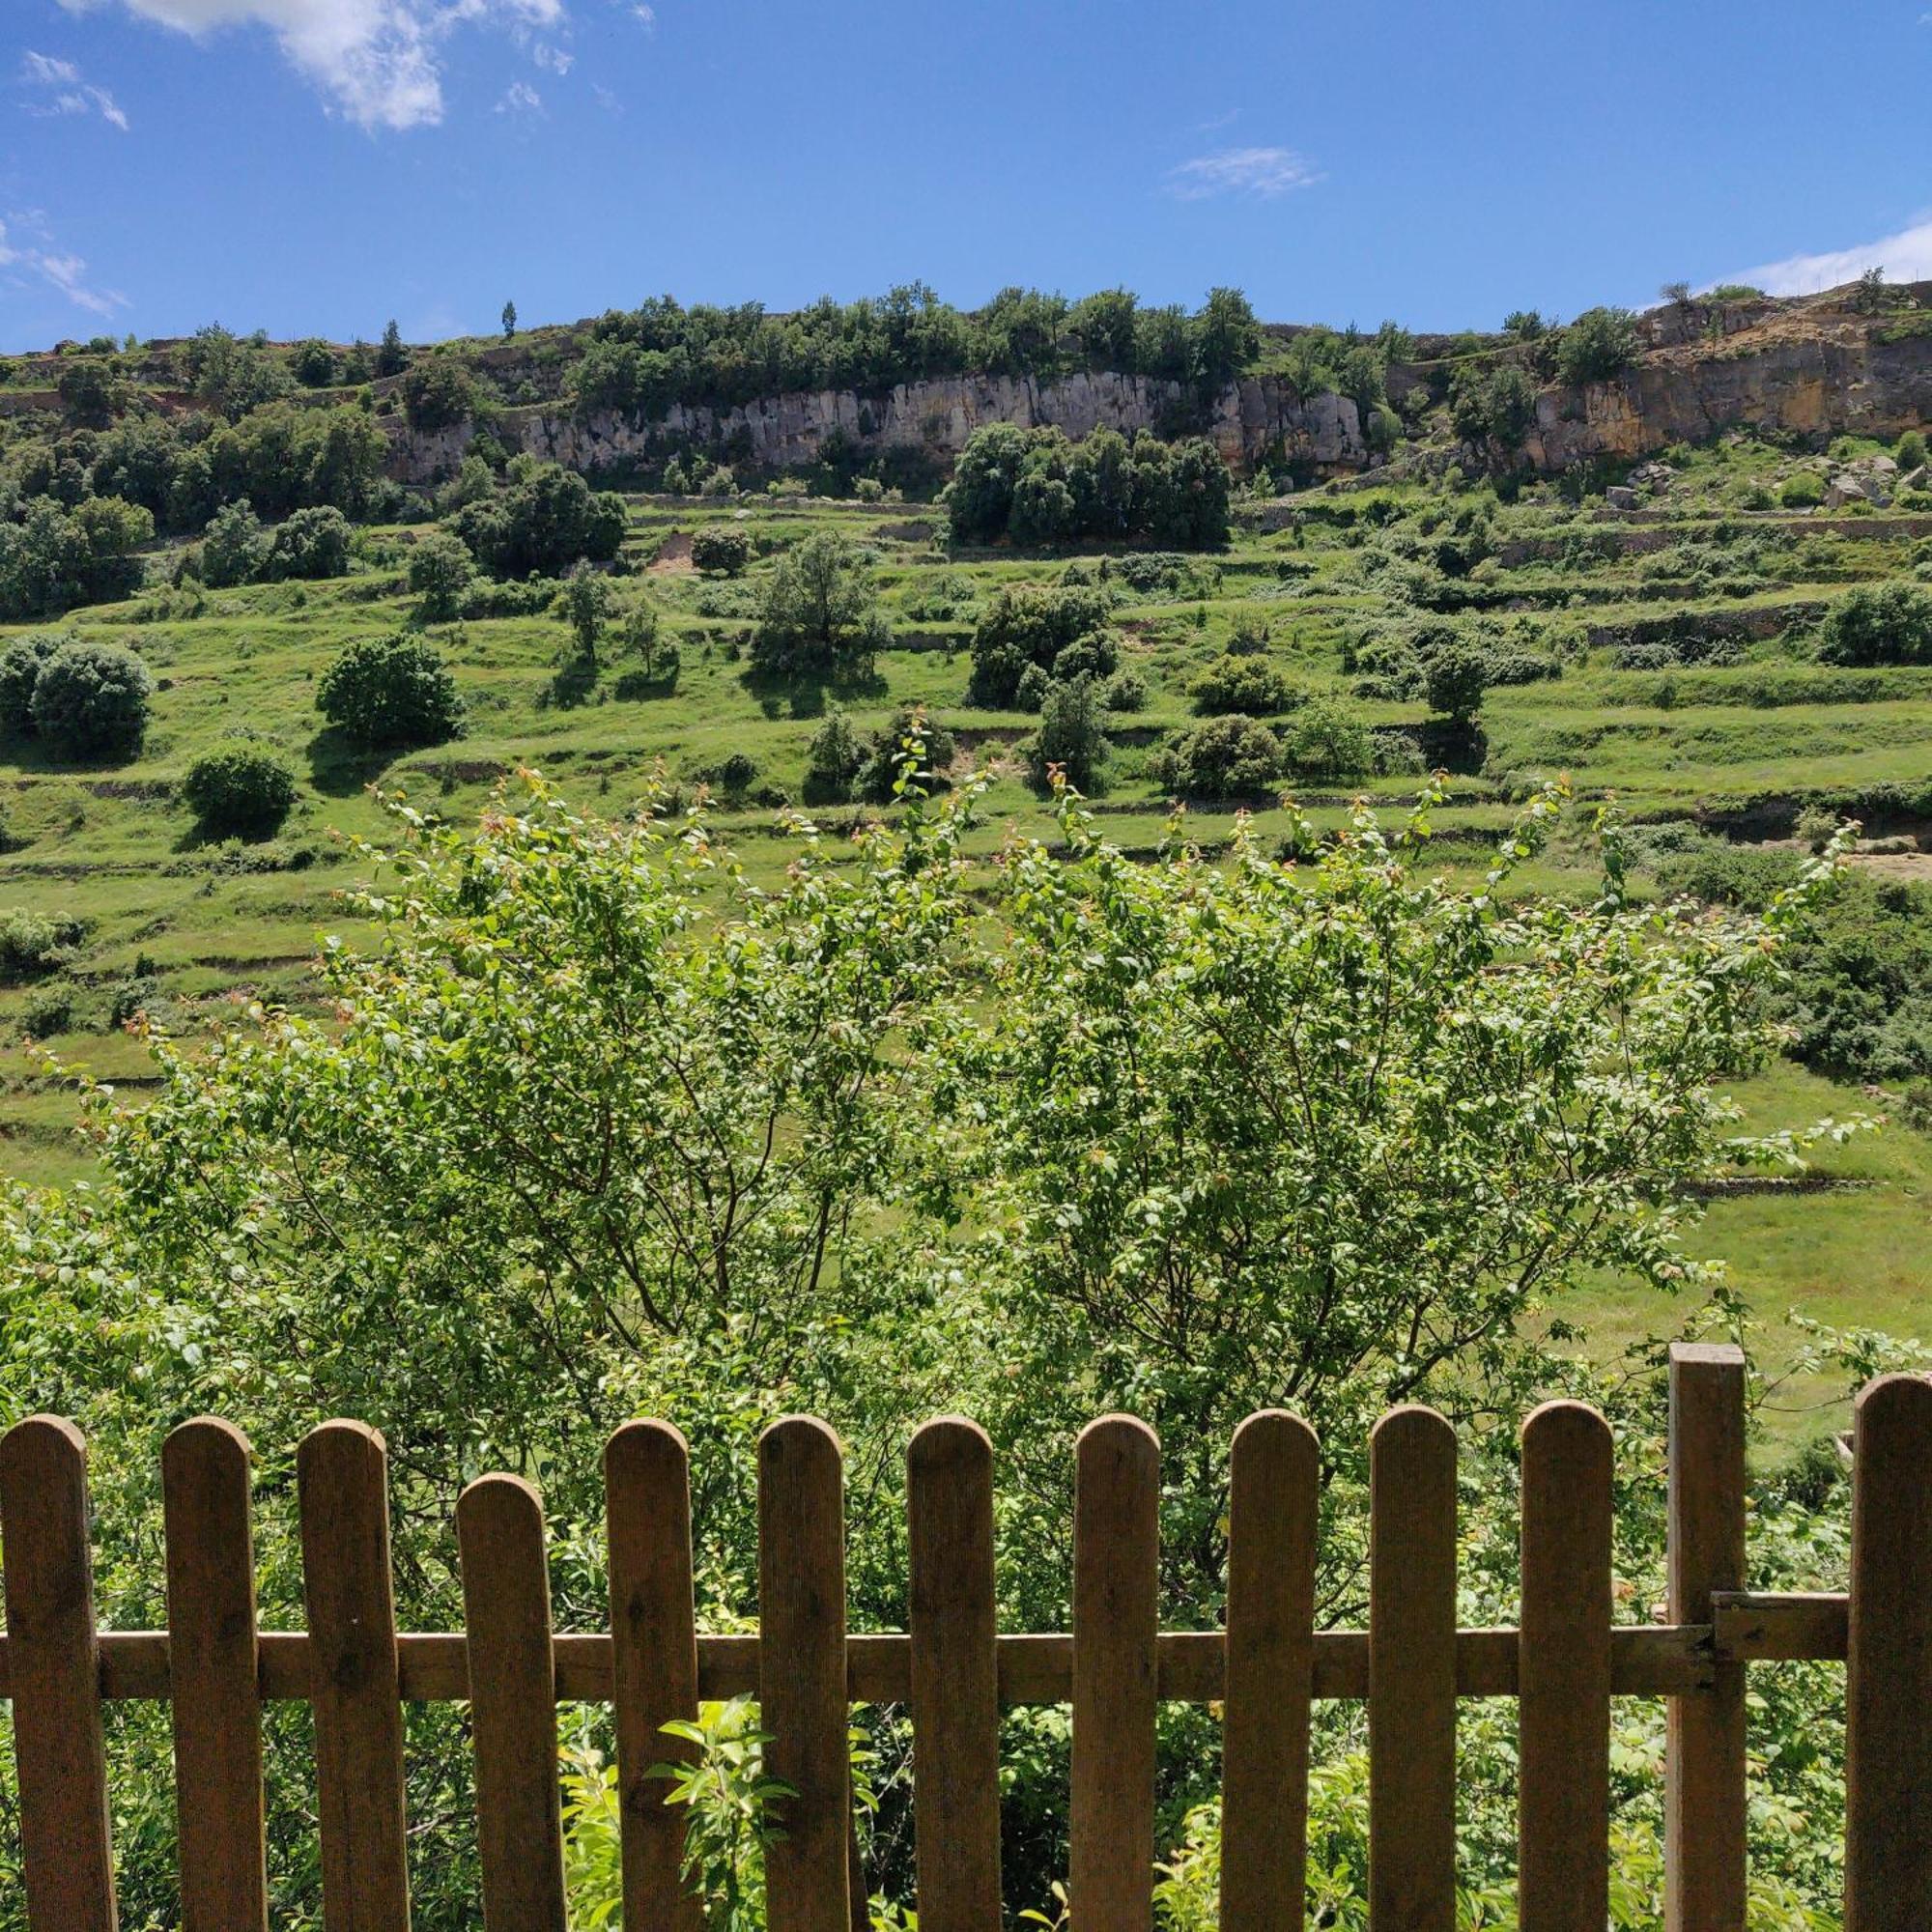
1667 655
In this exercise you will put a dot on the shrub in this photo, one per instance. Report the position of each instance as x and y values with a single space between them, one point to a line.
1879 624
1326 741
718 550
32 944
440 571
239 792
436 393
385 692
1228 757
885 763
1072 737
1125 690
544 522
91 700
1030 694
47 1010
19 670
1455 684
234 546
1249 684
1600 343
1030 624
833 760
1804 490
311 543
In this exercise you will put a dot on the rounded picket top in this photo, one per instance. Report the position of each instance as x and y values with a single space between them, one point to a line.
646 1449
338 1446
1899 1400
948 1443
1280 1436
1568 1429
1412 1425
1123 1439
208 1446
500 1504
43 1442
800 1442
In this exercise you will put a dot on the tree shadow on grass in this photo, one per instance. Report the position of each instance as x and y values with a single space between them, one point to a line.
340 769
800 695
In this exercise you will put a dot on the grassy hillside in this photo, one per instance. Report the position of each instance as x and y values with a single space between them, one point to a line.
1675 672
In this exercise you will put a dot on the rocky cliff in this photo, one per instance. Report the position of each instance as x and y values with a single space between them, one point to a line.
1252 416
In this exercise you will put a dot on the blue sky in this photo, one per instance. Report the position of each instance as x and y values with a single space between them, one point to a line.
319 165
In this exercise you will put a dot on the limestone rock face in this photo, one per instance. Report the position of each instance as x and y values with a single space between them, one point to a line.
1249 418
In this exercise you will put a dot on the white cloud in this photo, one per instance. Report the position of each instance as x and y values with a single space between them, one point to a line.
1264 172
520 97
74 95
64 273
553 60
375 61
647 17
1905 257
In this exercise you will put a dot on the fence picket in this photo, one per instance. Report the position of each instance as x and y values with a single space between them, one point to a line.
1704 1822
342 1481
1116 1617
54 1666
1274 1494
654 1663
1888 1663
212 1665
499 1532
1564 1672
955 1690
802 1673
1412 1674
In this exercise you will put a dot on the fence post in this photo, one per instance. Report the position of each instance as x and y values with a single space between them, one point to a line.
213 1668
53 1657
955 1690
654 1663
499 1532
1412 1674
1889 1664
1704 1794
342 1481
1274 1481
1115 1616
802 1673
1563 1671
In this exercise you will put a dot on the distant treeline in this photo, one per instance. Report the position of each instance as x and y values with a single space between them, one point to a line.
644 360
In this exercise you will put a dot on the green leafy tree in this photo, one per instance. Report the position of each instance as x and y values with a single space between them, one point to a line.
313 363
238 792
437 393
311 543
21 665
1241 682
1233 756
1070 746
55 558
584 605
1600 344
819 614
1325 740
91 700
509 320
1028 625
546 519
1879 624
234 546
1455 683
391 358
387 692
441 573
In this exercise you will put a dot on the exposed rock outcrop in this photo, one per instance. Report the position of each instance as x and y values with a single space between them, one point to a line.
1251 417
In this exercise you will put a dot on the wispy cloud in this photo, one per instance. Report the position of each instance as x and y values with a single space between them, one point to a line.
553 59
1260 172
26 261
1905 257
379 62
520 98
61 89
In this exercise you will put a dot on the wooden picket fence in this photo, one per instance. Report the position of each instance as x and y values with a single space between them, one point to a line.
956 1671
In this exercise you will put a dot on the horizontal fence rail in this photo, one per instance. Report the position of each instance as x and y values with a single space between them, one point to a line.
954 1671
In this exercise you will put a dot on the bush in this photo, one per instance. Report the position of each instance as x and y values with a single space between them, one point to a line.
1249 684
885 763
239 792
547 519
1804 490
91 700
1879 624
1125 690
1072 737
436 394
719 551
234 546
441 572
47 1010
833 760
312 543
387 692
1326 741
1455 684
32 944
1030 624
1229 757
1910 450
19 670
1600 343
